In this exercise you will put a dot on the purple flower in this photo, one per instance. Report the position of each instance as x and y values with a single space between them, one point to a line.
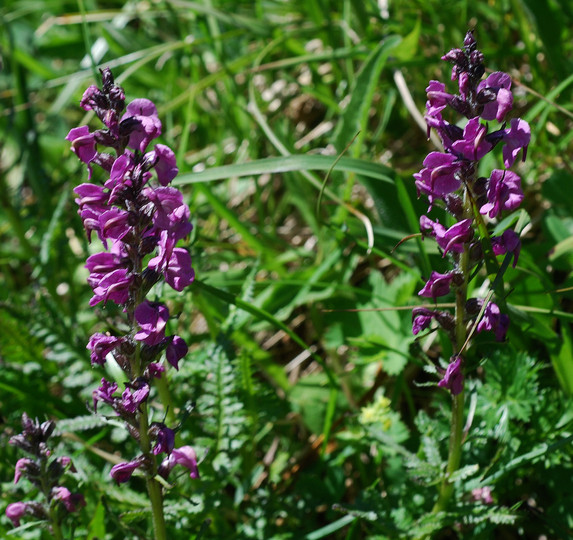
453 379
508 242
92 93
122 472
503 193
451 239
115 223
438 98
497 88
449 133
184 456
83 145
421 319
473 145
154 370
438 178
482 495
165 164
132 400
15 512
437 285
93 202
164 438
23 465
176 350
515 138
494 321
101 345
113 286
178 271
72 501
147 125
104 393
152 318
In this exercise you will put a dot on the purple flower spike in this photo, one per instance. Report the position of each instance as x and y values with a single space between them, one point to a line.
515 138
503 193
176 350
122 472
152 317
453 378
494 321
15 512
437 285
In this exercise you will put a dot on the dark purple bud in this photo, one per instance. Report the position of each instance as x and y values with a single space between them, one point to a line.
469 40
473 306
122 472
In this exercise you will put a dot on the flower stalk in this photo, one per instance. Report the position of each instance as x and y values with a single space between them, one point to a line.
449 179
139 219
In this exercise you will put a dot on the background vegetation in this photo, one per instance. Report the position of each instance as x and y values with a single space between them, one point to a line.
313 408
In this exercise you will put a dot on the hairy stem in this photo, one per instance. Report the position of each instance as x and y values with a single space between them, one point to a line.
457 418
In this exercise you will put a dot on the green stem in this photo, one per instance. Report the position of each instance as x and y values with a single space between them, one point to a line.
153 487
457 419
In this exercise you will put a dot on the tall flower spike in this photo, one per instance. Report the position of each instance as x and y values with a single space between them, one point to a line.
140 219
450 177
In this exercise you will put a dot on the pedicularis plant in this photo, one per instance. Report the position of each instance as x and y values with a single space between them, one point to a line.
450 179
139 219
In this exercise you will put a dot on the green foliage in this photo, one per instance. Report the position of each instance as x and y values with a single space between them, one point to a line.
304 393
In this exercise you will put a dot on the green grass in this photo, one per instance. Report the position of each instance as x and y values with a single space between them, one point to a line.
259 99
